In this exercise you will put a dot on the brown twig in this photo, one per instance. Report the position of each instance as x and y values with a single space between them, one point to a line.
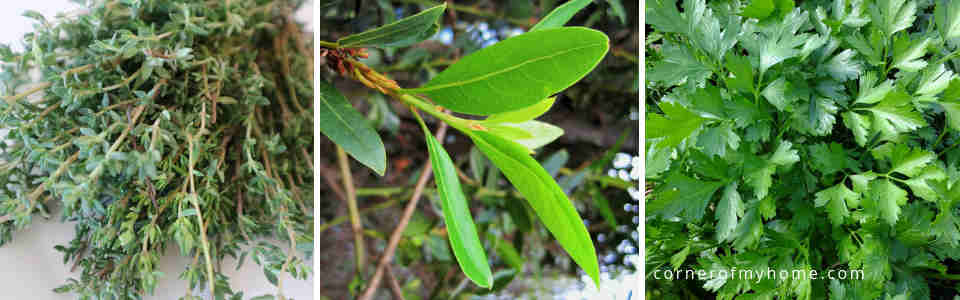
358 243
394 285
398 232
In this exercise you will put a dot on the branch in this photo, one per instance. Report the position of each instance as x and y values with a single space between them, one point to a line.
394 285
398 232
358 244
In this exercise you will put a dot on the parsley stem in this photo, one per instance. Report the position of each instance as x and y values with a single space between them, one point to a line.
949 56
940 138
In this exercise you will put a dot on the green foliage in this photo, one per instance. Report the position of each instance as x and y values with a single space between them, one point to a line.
349 129
484 82
548 61
156 124
463 233
818 136
404 32
560 15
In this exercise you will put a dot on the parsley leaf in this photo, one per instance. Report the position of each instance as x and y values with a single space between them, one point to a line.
675 126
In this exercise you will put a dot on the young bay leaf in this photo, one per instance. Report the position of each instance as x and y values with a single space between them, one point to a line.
530 134
464 240
543 194
522 115
403 32
549 61
560 15
347 128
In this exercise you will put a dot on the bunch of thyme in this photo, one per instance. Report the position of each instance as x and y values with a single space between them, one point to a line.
151 124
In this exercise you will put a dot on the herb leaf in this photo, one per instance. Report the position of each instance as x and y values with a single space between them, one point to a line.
346 127
544 195
484 82
403 32
466 244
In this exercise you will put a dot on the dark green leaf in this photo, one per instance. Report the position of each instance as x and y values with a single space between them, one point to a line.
399 33
340 122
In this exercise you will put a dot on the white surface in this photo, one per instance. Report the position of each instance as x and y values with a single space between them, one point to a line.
29 266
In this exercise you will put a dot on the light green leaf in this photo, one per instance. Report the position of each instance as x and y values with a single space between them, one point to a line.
935 80
561 14
742 79
892 16
749 230
678 258
664 16
758 9
677 124
865 48
508 132
544 195
461 230
397 34
530 134
861 182
836 198
349 129
919 185
715 140
776 43
842 67
706 31
947 16
679 64
895 114
870 94
853 17
682 196
777 93
523 114
904 159
759 177
908 54
485 82
784 156
884 200
952 110
860 125
728 209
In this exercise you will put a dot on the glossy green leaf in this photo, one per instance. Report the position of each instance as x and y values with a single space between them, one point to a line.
406 31
547 61
349 129
456 213
509 132
561 14
544 195
524 114
758 9
530 134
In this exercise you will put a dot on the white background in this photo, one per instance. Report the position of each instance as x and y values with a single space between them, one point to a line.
29 266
